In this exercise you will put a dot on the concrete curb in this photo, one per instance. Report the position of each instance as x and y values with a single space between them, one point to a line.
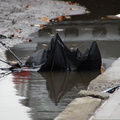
80 109
110 110
84 106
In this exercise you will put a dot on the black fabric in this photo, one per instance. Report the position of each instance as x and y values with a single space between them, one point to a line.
37 58
58 57
91 59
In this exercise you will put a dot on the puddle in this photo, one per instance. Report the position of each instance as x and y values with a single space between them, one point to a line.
48 93
10 106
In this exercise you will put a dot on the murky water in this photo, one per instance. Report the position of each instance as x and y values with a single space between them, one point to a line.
10 106
48 93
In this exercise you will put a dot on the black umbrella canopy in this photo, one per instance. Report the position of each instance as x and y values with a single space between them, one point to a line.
58 57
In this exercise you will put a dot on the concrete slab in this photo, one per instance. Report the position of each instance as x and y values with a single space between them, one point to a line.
110 110
80 109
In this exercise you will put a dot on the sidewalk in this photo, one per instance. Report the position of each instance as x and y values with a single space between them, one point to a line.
110 110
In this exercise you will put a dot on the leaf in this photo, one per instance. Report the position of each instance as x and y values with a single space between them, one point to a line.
42 26
38 25
27 6
112 17
71 3
29 40
45 19
61 18
68 17
44 45
13 62
19 31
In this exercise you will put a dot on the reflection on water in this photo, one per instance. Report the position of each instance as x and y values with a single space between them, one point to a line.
21 80
48 93
81 30
10 106
59 83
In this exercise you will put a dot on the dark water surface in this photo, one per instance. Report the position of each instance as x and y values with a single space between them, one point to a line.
48 93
